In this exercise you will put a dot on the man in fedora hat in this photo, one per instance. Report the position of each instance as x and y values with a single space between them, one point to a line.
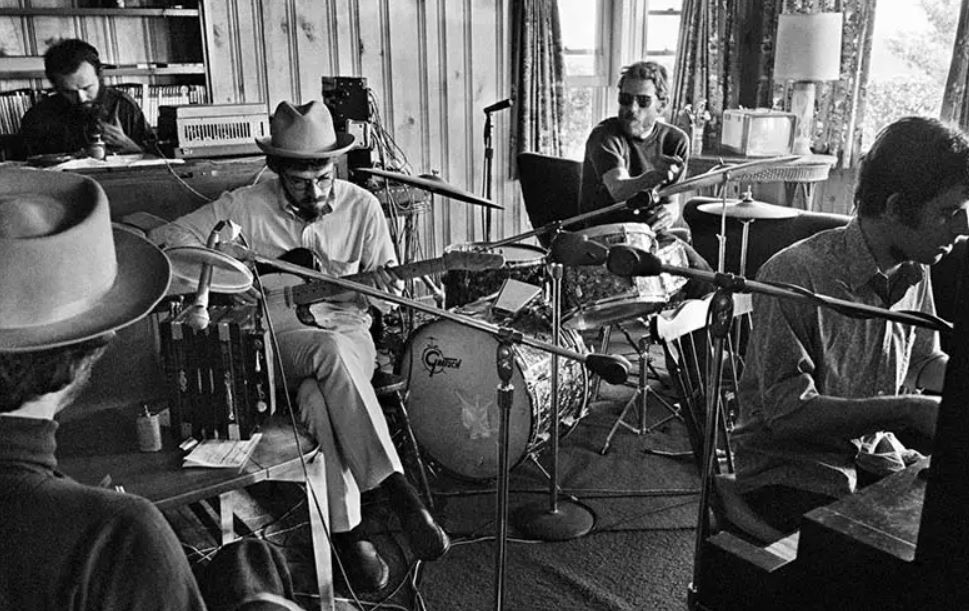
343 225
68 283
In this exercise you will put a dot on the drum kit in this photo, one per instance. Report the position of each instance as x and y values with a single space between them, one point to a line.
452 409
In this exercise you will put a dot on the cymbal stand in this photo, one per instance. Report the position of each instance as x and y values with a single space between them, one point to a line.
559 520
719 318
642 394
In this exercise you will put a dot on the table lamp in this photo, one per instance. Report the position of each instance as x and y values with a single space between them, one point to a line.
808 50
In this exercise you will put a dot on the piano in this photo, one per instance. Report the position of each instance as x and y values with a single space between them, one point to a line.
902 543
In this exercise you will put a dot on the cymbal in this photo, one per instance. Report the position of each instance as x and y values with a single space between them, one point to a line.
748 209
432 184
228 275
725 174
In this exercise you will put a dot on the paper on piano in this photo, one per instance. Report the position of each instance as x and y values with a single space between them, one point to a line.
220 454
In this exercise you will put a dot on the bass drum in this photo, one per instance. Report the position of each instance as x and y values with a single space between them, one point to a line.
453 398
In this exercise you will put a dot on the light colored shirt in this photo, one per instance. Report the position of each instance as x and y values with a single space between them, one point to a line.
352 237
799 354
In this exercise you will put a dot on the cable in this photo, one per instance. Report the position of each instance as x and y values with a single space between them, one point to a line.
171 170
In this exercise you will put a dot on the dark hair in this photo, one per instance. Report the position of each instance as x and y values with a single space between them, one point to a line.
25 376
66 56
916 157
648 71
279 164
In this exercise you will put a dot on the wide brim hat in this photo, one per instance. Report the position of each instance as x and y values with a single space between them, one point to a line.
66 275
304 132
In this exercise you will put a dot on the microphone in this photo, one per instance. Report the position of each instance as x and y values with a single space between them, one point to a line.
506 103
197 314
630 261
577 249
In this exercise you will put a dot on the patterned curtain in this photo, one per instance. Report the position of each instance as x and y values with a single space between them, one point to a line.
955 100
704 75
708 65
537 78
841 103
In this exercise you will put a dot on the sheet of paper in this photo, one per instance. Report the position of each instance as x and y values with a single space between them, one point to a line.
219 454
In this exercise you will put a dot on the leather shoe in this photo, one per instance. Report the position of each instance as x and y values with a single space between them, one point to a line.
427 539
366 570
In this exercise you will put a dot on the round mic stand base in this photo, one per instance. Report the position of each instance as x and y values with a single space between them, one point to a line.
569 520
555 520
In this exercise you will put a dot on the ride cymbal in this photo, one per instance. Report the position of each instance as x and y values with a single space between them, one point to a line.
722 175
433 185
748 209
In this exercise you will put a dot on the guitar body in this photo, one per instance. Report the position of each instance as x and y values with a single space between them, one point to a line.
286 291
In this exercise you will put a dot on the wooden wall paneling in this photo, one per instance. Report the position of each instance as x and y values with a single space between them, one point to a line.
312 34
247 30
436 104
459 169
279 52
234 40
344 18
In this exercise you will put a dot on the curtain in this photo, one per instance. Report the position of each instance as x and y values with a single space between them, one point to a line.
714 35
955 100
841 103
538 78
704 77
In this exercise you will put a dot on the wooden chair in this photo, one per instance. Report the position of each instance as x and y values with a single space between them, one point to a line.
687 346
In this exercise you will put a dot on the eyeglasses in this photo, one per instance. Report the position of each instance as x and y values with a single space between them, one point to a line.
305 184
643 100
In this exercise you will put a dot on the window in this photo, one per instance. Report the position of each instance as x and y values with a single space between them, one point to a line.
911 52
599 38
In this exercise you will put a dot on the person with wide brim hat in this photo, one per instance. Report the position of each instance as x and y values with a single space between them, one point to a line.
66 275
304 132
343 226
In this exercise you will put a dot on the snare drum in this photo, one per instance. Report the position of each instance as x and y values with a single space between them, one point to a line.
453 398
594 297
522 262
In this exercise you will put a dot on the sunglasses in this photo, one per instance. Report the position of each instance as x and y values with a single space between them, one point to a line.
643 100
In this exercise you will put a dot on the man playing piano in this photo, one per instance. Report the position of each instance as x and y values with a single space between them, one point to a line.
820 389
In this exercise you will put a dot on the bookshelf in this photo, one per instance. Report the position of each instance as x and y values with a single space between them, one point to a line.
154 50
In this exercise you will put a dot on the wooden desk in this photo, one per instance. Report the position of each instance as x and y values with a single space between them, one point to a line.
94 445
799 177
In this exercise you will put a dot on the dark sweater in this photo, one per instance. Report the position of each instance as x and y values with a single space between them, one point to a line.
55 125
66 546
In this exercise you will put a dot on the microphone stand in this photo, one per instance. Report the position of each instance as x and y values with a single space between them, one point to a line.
505 363
489 153
559 520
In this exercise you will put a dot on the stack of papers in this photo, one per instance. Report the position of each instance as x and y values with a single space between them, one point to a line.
220 454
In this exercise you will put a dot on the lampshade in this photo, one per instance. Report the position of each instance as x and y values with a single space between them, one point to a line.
808 47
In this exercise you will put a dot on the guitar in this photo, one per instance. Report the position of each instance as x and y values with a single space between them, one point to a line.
285 291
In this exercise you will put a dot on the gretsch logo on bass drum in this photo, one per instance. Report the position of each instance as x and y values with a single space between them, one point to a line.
435 361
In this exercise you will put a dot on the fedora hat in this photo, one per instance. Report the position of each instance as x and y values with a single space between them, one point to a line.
65 274
304 132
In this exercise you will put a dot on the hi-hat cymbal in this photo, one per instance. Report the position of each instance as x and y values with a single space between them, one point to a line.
725 174
432 184
748 209
228 275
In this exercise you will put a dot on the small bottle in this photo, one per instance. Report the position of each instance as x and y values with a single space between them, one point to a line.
96 148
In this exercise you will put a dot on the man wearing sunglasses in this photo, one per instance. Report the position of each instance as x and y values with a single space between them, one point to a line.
628 155
332 363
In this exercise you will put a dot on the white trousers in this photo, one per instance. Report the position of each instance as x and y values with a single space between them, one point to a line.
339 407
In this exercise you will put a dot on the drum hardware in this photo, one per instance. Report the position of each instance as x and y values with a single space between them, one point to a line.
746 211
641 395
432 184
561 520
